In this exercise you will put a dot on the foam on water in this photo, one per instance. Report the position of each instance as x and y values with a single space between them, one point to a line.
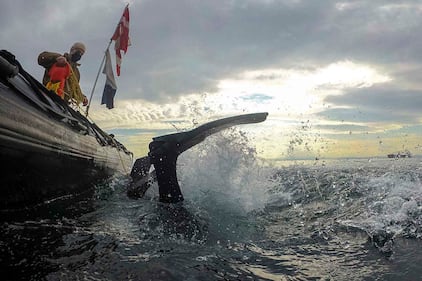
393 203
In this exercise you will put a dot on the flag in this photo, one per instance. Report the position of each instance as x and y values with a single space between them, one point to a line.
121 38
110 87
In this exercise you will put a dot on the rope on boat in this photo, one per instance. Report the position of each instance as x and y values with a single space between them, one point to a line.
120 156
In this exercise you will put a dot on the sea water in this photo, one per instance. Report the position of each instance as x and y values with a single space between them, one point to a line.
242 219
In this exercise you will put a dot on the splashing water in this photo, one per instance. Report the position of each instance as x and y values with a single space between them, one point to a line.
224 170
393 203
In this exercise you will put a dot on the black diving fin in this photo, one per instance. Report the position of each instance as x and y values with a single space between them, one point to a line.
163 153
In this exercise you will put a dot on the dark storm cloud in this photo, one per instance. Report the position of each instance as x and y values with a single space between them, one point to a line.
187 46
385 103
197 43
410 76
385 97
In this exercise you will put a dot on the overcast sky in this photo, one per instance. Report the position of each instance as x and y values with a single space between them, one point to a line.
338 78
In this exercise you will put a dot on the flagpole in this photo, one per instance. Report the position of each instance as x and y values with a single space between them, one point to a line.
99 70
96 79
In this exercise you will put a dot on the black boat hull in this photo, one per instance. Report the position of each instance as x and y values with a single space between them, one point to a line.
48 150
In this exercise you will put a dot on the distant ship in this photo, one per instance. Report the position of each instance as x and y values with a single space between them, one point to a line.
405 154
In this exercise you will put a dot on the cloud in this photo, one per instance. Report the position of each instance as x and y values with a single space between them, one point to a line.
380 103
181 47
344 128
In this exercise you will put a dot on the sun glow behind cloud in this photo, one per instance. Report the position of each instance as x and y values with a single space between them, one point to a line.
292 92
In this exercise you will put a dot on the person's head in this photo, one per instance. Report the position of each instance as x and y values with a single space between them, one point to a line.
76 51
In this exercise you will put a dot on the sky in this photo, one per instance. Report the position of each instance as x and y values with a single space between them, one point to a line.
338 78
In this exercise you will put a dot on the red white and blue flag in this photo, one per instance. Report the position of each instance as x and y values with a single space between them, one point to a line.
110 87
121 38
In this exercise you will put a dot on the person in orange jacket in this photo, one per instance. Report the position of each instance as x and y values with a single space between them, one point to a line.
71 90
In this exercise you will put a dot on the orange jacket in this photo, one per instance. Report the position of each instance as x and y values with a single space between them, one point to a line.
59 74
47 59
